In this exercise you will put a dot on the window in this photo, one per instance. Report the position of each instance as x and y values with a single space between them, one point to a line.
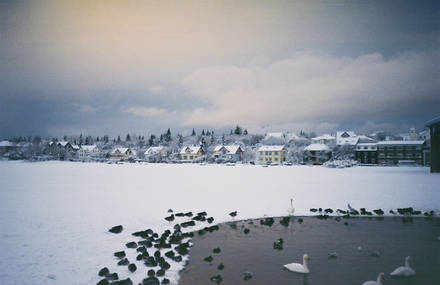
190 157
276 158
183 156
275 152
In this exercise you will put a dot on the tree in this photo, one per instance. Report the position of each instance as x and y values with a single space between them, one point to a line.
168 135
128 138
151 140
245 132
193 133
119 139
203 132
238 130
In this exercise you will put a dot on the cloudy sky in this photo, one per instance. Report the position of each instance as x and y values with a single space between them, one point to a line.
112 67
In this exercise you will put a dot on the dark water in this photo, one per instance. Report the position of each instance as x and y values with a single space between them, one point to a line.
254 252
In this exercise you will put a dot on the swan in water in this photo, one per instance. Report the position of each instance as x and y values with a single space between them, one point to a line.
291 209
298 267
404 271
377 282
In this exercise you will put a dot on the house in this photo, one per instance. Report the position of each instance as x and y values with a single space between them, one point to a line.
366 153
6 147
317 153
346 138
400 152
88 152
122 153
156 153
65 145
326 139
434 133
272 154
232 153
191 153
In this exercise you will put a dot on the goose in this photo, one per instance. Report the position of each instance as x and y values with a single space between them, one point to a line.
377 282
404 271
291 209
298 267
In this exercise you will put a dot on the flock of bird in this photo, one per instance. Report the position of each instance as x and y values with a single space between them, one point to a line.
168 239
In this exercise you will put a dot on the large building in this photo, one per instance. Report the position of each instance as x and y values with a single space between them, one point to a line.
272 154
400 152
434 127
366 153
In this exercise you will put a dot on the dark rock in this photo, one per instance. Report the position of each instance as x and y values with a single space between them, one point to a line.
103 272
208 259
220 266
189 214
328 211
160 272
150 261
217 279
131 244
314 210
177 258
165 265
170 218
233 214
180 215
103 282
142 234
112 276
141 249
123 262
165 281
122 282
132 267
119 254
157 254
116 229
216 250
150 281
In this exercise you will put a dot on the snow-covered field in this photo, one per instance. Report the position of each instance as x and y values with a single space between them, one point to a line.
54 216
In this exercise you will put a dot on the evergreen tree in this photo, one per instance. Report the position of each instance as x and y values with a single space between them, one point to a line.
168 135
238 130
245 132
151 140
193 133
180 139
230 133
128 138
203 132
119 139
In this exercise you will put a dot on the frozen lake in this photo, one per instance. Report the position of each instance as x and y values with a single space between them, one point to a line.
54 216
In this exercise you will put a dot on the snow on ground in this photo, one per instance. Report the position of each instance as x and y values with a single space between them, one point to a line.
54 216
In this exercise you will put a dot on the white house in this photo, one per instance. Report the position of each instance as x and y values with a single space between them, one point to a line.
272 154
156 153
231 153
191 153
122 153
317 153
346 138
88 152
326 139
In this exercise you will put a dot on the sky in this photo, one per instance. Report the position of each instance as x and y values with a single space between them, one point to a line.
113 67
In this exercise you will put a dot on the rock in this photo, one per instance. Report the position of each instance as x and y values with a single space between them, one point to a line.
217 279
103 282
378 212
202 214
119 254
247 276
132 267
328 211
169 254
112 276
246 231
165 281
208 259
313 210
116 229
131 244
189 214
220 266
103 272
160 272
123 262
150 281
216 250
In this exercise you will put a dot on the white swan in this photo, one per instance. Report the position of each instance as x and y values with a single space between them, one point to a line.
377 282
404 271
298 267
291 210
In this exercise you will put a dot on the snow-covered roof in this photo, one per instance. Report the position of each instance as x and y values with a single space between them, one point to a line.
433 121
75 147
323 137
271 148
400 142
231 149
6 143
154 149
190 149
63 143
346 137
367 144
89 147
317 147
364 139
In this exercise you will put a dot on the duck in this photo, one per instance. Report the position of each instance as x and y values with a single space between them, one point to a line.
404 271
377 282
298 267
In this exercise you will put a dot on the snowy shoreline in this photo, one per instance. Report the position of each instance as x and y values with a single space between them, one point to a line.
55 214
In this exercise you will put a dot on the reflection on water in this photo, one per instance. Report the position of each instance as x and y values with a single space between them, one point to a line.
384 243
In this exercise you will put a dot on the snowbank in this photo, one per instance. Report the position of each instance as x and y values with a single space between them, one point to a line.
54 216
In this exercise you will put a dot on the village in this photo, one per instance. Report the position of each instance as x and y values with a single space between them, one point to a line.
342 149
